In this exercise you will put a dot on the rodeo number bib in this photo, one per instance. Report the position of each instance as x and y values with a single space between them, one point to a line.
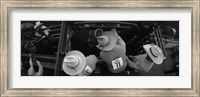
87 70
117 63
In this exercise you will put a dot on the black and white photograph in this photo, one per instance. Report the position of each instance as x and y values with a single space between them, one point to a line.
106 48
99 48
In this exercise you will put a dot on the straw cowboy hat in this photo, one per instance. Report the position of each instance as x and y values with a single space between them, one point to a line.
91 61
74 62
37 24
154 52
116 58
107 40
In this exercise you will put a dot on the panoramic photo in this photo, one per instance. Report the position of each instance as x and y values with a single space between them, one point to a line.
99 48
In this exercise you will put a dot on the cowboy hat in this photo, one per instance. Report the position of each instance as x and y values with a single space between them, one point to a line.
74 62
91 61
140 63
115 59
154 52
37 24
107 40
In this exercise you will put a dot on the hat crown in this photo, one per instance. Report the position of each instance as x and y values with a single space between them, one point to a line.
155 51
103 40
71 61
37 23
43 27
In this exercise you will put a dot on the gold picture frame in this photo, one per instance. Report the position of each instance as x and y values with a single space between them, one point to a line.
6 5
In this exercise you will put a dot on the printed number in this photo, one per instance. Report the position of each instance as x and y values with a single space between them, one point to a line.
117 63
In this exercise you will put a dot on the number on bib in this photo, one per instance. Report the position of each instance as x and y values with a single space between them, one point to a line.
117 63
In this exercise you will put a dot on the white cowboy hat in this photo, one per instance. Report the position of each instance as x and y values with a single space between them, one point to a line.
37 24
74 62
154 52
107 40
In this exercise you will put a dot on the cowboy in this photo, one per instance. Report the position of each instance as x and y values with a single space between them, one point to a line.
31 71
144 62
41 30
90 67
44 38
75 63
113 50
27 36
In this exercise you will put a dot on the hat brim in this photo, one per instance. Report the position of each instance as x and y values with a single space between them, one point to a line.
157 60
79 68
113 41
